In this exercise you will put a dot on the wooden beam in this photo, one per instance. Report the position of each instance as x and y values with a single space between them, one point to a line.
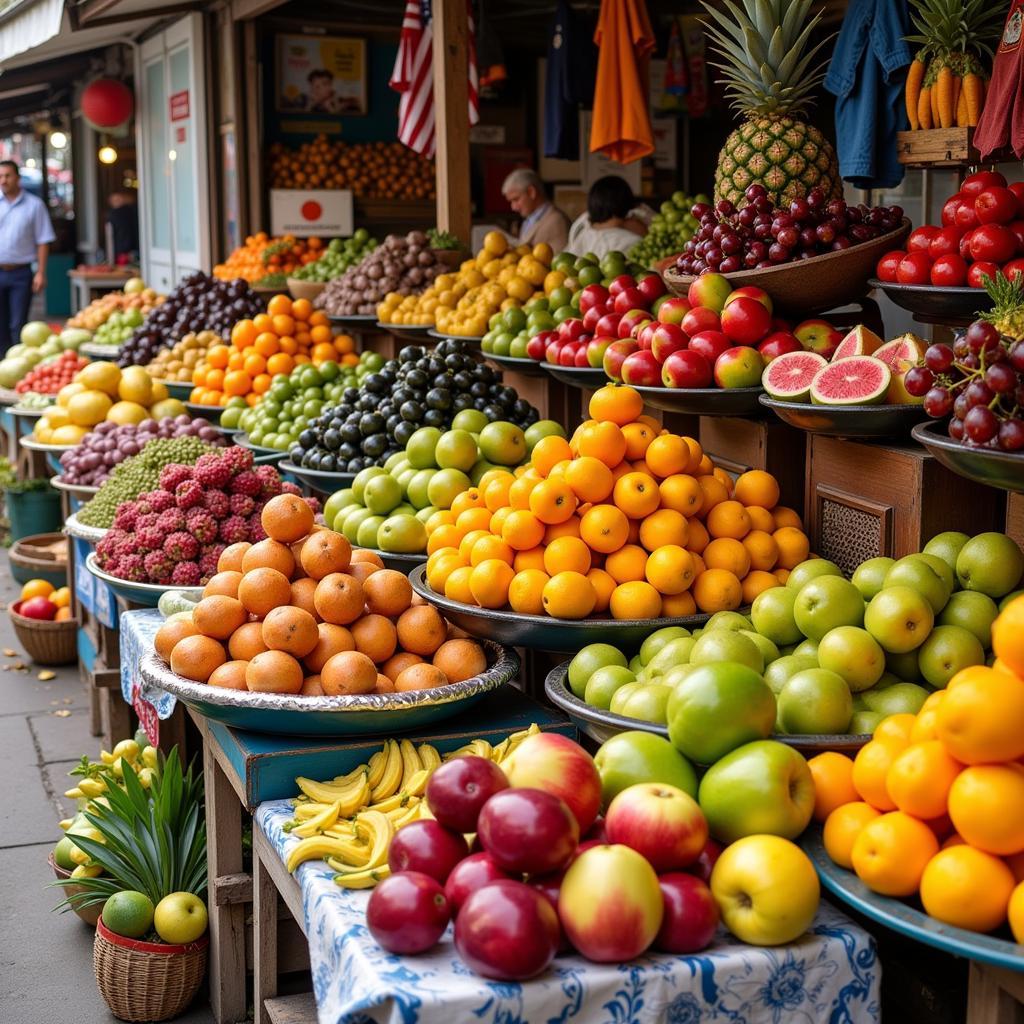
451 116
250 135
166 11
245 10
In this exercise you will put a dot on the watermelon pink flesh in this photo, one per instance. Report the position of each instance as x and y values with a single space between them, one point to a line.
857 380
860 341
788 377
900 351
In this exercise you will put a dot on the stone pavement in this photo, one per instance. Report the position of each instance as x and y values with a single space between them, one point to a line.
46 974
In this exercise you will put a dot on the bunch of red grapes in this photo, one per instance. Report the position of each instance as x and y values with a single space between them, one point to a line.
979 382
761 235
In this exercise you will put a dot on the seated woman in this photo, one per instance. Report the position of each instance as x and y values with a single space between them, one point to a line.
610 222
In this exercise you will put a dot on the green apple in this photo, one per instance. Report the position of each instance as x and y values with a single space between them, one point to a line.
899 699
658 639
480 467
649 703
382 494
779 672
761 788
603 683
972 610
180 918
809 648
416 488
633 757
420 448
587 661
717 708
917 574
827 602
718 645
947 650
947 546
942 570
423 514
854 654
869 576
504 444
537 432
815 701
811 569
353 521
336 502
366 535
728 620
634 665
899 618
674 676
675 652
991 563
766 889
395 459
362 478
446 485
621 694
129 913
402 534
891 679
769 652
864 723
901 666
456 449
472 420
772 615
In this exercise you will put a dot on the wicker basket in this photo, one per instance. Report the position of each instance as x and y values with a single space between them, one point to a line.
47 643
147 981
33 558
90 915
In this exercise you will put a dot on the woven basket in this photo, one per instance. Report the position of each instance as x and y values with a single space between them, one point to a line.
147 981
90 915
47 643
31 558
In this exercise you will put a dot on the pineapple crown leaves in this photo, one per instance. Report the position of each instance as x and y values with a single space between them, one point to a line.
764 66
946 27
1006 295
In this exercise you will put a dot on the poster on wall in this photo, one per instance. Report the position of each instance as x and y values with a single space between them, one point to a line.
321 75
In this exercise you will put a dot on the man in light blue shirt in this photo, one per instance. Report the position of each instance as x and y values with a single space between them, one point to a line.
25 237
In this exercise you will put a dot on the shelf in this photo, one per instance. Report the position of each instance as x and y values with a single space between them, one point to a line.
942 147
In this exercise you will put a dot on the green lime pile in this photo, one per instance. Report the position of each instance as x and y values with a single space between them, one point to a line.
340 254
139 474
294 400
672 227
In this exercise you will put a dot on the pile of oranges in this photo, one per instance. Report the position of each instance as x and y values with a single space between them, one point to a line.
933 806
290 333
302 613
624 518
262 255
372 170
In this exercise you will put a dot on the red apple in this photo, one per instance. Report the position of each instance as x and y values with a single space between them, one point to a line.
581 353
459 788
668 338
608 325
561 767
528 831
703 865
745 321
776 344
950 207
407 912
660 821
549 887
750 291
673 309
538 345
641 369
709 344
691 914
709 290
645 336
476 871
571 329
739 367
700 319
818 336
567 353
615 355
981 180
593 295
620 284
686 369
610 904
596 348
632 321
37 608
629 298
651 287
965 216
552 351
592 317
426 846
507 930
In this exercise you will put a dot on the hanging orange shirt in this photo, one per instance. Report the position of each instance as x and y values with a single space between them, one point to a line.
621 124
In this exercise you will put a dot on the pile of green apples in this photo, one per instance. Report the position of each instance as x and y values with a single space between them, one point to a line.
387 506
821 655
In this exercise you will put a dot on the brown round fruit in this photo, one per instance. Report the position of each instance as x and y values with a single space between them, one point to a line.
422 630
269 554
420 677
274 672
223 583
348 672
331 640
362 571
170 633
303 592
231 557
370 557
339 598
384 684
218 616
291 630
247 641
195 657
230 675
376 637
311 687
398 663
324 552
263 590
286 518
388 592
460 659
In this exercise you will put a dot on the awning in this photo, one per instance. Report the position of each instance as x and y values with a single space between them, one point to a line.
25 24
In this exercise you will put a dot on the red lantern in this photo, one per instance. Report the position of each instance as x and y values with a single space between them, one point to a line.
107 103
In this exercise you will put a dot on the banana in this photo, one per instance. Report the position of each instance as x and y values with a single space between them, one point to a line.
375 767
407 814
392 777
500 751
327 793
429 756
397 801
481 748
464 751
365 879
380 832
358 800
411 762
317 848
303 812
417 784
347 780
319 823
87 871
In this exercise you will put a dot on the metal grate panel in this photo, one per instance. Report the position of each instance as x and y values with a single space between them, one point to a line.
849 535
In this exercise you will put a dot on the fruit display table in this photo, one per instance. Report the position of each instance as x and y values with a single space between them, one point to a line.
830 974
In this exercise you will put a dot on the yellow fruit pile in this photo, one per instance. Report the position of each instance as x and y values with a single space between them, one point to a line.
933 806
177 364
624 518
461 303
102 391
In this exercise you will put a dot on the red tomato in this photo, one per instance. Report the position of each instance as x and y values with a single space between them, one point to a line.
995 205
964 247
1015 268
1017 188
949 209
949 271
979 270
886 268
914 268
920 238
975 183
945 241
965 216
994 243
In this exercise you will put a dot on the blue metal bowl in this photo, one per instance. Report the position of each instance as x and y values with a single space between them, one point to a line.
145 594
179 389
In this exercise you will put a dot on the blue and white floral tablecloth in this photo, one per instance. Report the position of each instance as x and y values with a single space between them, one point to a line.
137 630
831 976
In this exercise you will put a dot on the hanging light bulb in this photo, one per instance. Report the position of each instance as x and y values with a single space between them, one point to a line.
107 155
58 140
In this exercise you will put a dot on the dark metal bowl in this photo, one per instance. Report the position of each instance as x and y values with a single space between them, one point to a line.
577 376
472 339
211 413
957 306
527 367
356 319
264 454
399 560
317 479
847 420
982 465
704 401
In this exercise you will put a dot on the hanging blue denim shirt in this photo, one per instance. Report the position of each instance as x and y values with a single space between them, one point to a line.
866 75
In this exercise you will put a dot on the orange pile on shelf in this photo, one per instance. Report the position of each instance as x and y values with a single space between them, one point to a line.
262 255
373 170
290 333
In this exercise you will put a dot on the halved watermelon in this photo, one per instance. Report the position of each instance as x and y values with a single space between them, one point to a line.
901 353
788 377
861 341
856 380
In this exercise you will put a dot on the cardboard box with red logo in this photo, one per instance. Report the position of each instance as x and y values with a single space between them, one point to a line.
306 212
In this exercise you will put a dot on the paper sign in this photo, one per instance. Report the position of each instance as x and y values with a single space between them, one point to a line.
179 105
304 212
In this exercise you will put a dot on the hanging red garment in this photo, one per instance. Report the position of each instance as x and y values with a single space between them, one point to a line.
621 124
1001 124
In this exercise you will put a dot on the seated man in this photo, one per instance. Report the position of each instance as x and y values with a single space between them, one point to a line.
542 220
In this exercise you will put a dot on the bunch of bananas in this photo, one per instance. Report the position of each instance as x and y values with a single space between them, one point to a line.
349 821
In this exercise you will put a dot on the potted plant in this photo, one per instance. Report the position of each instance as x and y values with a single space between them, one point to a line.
149 954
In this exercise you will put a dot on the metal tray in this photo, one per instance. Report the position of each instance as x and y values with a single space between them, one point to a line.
145 594
982 465
577 376
316 479
83 492
704 401
847 420
948 305
527 367
91 534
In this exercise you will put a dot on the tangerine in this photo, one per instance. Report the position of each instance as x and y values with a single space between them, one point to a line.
348 672
870 769
615 403
397 663
667 455
891 852
1008 636
552 501
287 518
986 806
635 600
195 657
727 553
967 888
756 487
638 438
669 569
522 530
262 590
568 595
756 582
717 590
980 718
339 598
304 595
604 528
678 605
375 636
325 552
665 526
567 554
526 591
604 441
548 452
628 564
291 630
784 516
793 545
488 547
169 633
489 582
919 779
362 556
636 494
833 783
456 587
761 549
218 616
841 829
230 559
590 479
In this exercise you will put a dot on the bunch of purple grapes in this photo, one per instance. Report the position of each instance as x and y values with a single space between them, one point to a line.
979 382
760 235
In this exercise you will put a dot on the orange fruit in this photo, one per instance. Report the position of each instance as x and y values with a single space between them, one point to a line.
548 452
841 829
269 554
195 657
169 633
438 573
615 403
339 598
473 519
635 600
421 630
223 583
681 493
762 549
667 455
1008 636
926 721
522 530
1015 912
756 582
324 552
489 582
717 590
570 528
980 718
604 441
347 673
496 492
636 494
794 547
375 636
669 569
638 436
727 553
833 783
247 641
519 493
490 547
895 730
699 537
713 493
870 769
526 591
460 660
397 664
36 588
891 852
604 528
567 554
445 536
728 519
756 487
473 498
469 540
568 595
603 584
387 592
786 517
760 519
230 675
420 677
231 557
456 587
678 605
986 806
722 475
531 559
665 526
552 501
218 616
331 640
590 479
291 630
274 672
919 779
967 888
627 565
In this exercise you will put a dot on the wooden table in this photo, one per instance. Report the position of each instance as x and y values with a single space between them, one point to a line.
84 283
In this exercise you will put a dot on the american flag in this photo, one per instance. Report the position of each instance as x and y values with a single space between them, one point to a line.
413 77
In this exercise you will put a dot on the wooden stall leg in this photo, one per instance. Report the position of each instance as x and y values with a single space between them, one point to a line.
264 918
95 711
227 921
994 996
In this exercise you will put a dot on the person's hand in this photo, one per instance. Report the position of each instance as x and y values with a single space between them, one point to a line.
38 281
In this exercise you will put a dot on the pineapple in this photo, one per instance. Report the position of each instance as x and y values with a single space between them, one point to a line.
768 79
1007 312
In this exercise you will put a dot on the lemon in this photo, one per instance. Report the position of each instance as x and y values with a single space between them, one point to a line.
70 433
67 392
135 386
127 412
89 407
100 376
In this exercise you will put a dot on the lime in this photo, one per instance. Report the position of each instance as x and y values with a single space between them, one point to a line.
588 660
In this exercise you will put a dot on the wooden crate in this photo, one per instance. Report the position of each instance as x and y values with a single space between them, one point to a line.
1015 517
940 147
868 499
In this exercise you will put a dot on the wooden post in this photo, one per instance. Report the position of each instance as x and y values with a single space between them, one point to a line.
451 116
